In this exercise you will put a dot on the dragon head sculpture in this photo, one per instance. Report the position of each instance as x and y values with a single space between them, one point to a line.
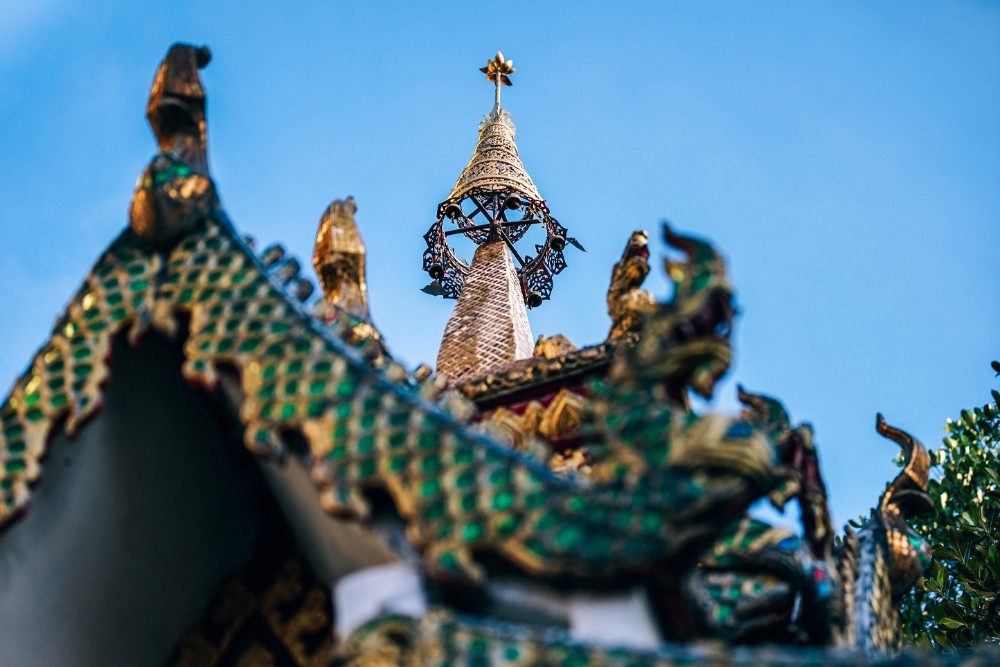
686 341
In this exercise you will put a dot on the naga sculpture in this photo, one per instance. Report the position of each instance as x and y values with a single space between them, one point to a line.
628 303
662 505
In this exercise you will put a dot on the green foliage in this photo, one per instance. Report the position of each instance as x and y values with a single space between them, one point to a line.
956 605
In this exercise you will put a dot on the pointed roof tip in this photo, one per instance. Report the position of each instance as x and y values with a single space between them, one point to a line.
495 163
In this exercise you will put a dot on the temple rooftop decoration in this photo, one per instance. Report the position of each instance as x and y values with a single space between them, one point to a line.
339 259
494 203
255 480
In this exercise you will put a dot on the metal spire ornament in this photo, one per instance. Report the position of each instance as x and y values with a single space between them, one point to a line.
494 199
496 70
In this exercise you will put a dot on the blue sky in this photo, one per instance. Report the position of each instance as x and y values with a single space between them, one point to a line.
844 156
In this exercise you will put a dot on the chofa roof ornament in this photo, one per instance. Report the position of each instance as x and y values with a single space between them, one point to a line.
176 188
339 258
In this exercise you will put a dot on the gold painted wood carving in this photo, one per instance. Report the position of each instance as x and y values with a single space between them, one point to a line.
339 259
267 613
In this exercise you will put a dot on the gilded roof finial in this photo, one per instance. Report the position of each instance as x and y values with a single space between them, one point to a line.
496 70
339 258
494 199
175 190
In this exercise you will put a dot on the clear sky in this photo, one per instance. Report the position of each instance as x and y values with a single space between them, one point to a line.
845 156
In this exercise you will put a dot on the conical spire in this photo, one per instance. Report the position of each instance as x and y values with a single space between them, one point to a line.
494 203
489 326
495 164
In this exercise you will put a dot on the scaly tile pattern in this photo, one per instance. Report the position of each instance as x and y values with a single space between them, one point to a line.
65 377
459 490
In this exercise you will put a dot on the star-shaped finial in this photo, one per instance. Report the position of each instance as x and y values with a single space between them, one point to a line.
497 69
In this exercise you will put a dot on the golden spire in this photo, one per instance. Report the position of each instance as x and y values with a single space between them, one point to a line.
489 326
495 164
494 203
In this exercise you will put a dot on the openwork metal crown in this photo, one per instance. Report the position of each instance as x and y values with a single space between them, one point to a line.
495 200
